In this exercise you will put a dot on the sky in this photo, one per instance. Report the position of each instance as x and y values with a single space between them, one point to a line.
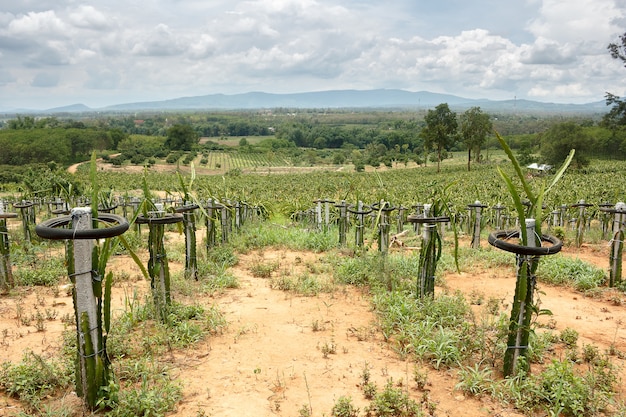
99 53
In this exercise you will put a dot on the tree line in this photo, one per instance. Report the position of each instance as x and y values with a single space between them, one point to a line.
372 138
43 145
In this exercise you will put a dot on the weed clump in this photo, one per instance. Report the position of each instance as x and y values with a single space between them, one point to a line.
34 379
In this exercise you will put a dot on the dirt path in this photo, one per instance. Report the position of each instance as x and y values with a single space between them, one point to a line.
271 360
73 168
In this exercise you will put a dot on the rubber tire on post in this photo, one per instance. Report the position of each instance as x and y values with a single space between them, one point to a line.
168 219
50 229
352 209
8 215
26 204
376 206
612 210
107 209
419 219
215 206
495 239
189 207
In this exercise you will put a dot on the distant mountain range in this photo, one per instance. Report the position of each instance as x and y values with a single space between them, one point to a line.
333 99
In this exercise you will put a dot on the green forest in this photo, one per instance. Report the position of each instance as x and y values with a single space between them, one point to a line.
300 138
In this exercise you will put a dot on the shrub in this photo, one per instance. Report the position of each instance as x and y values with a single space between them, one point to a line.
48 272
569 337
33 379
393 402
344 408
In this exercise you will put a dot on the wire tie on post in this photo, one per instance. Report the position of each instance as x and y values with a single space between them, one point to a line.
92 272
93 355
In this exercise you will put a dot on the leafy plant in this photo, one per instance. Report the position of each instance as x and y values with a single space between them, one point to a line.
263 269
475 380
155 396
569 337
343 407
46 272
392 402
33 379
523 306
430 251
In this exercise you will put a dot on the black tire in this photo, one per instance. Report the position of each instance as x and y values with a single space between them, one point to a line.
25 204
215 206
8 215
418 218
499 239
167 219
107 209
352 209
612 210
51 228
386 208
189 207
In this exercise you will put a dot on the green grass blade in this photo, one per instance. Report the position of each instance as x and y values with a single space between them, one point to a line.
519 207
93 178
108 283
561 170
134 256
517 167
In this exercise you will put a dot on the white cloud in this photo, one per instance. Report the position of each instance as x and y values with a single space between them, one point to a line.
546 52
203 47
148 49
88 17
575 20
41 24
160 41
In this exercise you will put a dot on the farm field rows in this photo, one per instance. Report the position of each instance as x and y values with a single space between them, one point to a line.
601 182
282 321
227 161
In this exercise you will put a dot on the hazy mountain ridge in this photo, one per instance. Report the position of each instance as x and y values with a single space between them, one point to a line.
331 99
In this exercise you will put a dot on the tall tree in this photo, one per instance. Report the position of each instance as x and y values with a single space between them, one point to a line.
181 137
475 126
617 115
559 139
440 130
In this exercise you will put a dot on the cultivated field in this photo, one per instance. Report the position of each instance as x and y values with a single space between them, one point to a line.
283 321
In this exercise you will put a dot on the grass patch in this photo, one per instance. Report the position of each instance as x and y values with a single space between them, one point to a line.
34 379
275 233
573 272
45 272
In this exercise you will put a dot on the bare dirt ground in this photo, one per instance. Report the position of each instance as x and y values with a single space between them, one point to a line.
201 170
270 360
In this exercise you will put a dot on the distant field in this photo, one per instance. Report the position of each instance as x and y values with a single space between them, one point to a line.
234 140
225 161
